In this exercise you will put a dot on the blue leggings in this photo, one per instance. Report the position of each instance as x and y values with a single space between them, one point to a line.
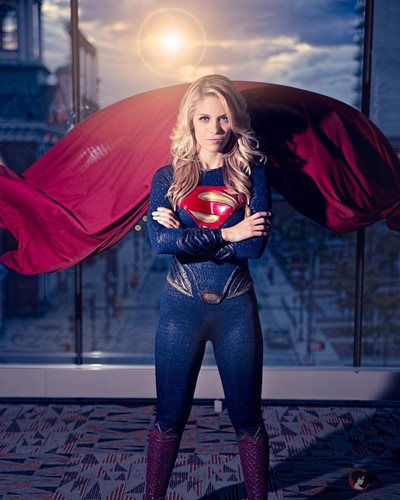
233 327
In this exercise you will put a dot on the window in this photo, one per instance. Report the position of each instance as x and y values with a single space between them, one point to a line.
306 281
8 28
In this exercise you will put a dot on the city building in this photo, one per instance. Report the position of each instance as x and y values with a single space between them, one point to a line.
34 115
89 81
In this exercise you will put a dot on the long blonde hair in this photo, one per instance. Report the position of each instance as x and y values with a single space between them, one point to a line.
240 152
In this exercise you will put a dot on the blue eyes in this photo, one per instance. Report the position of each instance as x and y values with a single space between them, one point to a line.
224 119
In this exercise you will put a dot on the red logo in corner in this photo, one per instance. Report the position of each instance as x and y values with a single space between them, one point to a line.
361 479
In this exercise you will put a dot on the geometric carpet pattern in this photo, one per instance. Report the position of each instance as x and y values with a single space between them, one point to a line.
97 451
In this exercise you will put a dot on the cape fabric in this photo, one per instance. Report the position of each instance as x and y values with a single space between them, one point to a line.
327 159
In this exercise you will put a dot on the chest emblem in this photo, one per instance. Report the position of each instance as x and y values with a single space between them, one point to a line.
211 206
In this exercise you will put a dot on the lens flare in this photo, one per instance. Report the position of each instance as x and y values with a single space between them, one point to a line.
169 40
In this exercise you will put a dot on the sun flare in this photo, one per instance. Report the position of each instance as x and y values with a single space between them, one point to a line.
170 40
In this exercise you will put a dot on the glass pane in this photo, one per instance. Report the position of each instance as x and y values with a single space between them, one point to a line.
121 291
305 289
381 346
385 96
146 45
38 318
381 319
37 311
277 42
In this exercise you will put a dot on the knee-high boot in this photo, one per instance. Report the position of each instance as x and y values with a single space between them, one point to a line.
254 457
161 455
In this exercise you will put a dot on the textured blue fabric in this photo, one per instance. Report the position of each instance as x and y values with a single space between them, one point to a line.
164 241
186 322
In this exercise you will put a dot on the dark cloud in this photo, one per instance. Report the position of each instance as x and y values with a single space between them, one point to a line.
323 22
318 22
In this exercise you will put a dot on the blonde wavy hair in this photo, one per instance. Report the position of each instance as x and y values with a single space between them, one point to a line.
239 153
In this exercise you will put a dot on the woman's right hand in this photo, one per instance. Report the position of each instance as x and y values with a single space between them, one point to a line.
258 224
167 218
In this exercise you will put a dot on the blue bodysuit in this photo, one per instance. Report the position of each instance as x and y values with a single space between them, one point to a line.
208 296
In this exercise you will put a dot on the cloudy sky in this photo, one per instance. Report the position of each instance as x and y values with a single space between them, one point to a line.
147 44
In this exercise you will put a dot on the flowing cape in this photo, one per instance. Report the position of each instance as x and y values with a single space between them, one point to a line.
327 159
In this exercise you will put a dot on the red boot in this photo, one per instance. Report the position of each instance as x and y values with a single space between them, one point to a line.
254 457
161 455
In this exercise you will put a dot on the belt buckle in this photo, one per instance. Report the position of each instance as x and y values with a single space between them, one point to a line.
211 297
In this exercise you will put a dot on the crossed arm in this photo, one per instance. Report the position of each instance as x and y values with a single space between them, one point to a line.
258 224
247 239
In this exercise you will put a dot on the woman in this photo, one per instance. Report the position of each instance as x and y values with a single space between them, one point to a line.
209 209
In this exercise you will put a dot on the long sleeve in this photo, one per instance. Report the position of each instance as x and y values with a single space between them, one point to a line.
253 248
192 241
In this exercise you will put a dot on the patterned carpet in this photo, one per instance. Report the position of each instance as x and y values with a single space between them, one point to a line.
97 452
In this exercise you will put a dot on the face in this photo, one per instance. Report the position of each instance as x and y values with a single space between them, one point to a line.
211 127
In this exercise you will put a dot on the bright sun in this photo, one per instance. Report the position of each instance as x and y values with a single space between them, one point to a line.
171 42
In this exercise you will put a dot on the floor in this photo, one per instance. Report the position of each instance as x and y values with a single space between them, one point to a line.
90 451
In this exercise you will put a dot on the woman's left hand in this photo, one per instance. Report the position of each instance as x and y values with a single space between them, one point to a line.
258 224
167 218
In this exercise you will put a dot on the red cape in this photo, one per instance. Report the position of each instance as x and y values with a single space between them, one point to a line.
327 159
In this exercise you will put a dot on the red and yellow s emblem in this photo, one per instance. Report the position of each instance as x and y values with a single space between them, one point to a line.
211 206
